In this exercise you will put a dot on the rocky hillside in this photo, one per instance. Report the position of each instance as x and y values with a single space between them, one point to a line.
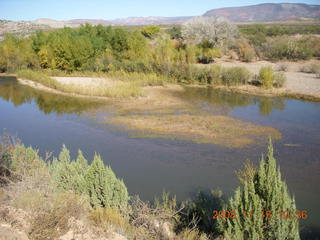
22 28
121 21
267 12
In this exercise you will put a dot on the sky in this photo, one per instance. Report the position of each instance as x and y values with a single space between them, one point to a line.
18 10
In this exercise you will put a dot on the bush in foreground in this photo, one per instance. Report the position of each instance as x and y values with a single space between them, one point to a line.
53 201
261 206
96 180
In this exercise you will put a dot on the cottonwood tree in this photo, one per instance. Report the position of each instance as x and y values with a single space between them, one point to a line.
261 208
215 30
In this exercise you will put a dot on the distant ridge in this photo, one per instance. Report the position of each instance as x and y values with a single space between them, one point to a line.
120 21
267 12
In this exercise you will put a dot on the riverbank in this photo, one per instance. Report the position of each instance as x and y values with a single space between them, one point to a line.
245 89
275 92
163 113
299 85
302 82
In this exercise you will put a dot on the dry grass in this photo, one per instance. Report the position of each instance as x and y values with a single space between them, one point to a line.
157 100
219 130
113 85
189 234
108 217
52 221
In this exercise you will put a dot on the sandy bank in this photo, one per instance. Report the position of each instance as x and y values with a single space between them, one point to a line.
51 90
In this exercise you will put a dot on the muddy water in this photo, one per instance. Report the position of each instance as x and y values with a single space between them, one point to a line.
151 165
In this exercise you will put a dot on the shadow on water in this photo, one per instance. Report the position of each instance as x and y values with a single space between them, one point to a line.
18 94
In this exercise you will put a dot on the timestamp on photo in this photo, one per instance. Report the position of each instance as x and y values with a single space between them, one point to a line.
265 214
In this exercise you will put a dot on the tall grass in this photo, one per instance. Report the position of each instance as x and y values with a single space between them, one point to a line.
235 76
125 84
39 78
266 76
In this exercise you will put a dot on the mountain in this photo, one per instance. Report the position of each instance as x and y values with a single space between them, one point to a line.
149 20
121 21
21 29
267 12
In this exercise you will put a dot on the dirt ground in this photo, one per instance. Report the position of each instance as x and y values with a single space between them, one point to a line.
297 82
86 81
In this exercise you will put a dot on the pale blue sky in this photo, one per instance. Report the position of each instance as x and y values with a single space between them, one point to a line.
111 9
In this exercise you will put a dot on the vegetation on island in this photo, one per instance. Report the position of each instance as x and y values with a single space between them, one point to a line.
221 130
53 191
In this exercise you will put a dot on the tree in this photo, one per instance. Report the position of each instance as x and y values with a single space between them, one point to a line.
25 161
16 53
175 32
70 175
260 205
137 46
150 31
215 30
104 189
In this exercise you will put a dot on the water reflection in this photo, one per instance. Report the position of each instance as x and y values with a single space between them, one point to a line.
267 105
48 103
220 101
150 165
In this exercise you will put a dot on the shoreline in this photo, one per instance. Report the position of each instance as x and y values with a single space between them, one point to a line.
39 86
244 89
275 92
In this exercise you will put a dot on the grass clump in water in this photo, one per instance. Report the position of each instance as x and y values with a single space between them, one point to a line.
219 130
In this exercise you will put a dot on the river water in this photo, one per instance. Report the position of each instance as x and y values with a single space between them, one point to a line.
150 165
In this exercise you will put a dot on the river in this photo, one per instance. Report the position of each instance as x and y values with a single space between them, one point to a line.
150 165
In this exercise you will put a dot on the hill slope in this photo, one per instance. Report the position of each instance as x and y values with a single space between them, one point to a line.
267 12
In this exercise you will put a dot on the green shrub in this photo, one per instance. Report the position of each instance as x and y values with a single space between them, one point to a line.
279 79
266 76
25 161
97 181
104 189
282 47
68 174
150 31
235 76
175 32
258 206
